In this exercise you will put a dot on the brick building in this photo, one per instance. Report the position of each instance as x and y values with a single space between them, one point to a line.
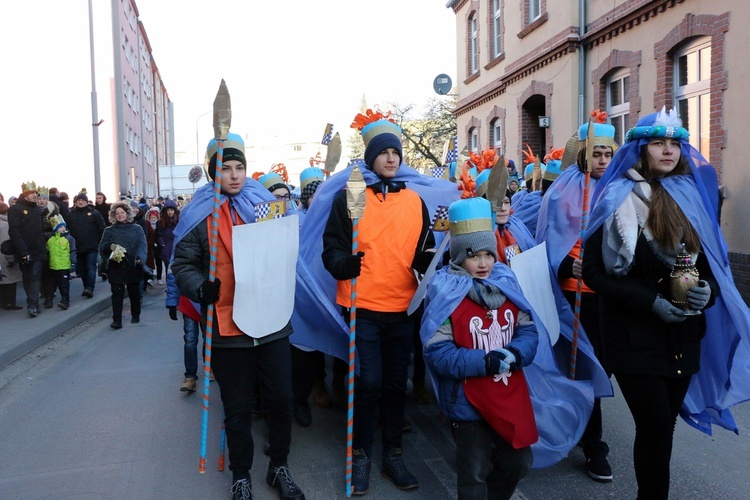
521 60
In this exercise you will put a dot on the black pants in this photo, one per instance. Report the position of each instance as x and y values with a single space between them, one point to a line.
236 371
486 465
307 367
591 440
118 295
60 282
654 403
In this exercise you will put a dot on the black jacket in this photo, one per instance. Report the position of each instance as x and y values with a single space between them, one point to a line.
636 340
131 237
26 229
86 226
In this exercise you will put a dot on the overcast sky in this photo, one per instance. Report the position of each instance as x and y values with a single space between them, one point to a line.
289 72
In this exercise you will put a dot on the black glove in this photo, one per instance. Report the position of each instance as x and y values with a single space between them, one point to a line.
352 266
498 361
210 291
666 311
172 313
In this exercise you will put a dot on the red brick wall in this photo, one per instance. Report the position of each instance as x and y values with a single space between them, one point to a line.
618 59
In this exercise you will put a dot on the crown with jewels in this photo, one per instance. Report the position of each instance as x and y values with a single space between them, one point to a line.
28 186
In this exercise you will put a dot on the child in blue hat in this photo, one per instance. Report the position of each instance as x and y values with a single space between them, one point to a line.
478 334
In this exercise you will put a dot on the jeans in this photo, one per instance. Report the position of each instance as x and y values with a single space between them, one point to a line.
191 329
486 465
118 295
654 403
237 371
32 282
384 350
86 269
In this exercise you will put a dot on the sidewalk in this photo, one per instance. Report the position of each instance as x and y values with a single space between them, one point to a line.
20 334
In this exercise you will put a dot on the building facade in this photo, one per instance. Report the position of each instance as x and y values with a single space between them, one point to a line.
142 136
530 71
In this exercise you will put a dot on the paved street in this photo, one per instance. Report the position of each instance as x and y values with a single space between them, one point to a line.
96 413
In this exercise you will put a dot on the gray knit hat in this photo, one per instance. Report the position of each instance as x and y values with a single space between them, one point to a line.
471 228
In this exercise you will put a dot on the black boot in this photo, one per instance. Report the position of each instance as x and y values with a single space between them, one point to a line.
280 478
394 469
242 489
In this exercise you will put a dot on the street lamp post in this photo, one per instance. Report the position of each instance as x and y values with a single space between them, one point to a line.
197 143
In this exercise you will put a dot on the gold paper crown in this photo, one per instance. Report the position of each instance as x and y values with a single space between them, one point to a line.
56 220
43 191
28 186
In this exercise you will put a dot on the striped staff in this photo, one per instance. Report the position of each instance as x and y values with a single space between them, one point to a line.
222 120
584 224
355 202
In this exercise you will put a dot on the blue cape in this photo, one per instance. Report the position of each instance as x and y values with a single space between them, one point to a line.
722 381
317 319
527 208
559 222
561 406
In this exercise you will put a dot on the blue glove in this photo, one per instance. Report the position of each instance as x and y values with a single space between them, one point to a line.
666 311
498 361
698 296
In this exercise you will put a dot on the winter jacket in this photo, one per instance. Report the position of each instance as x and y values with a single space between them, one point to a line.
26 229
636 340
131 237
62 252
86 226
10 269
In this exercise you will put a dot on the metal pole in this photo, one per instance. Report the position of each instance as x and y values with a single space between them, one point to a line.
94 110
197 143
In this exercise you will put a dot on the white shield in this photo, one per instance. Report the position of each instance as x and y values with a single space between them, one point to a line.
265 262
532 271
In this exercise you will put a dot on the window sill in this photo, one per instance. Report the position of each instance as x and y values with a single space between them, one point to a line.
534 25
495 61
472 77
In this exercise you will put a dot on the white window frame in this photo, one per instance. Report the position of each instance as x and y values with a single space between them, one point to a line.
473 41
698 120
535 10
497 42
622 109
474 140
497 135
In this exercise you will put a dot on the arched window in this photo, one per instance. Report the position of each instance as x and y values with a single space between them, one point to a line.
618 102
692 87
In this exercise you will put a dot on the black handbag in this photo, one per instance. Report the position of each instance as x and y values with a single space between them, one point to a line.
7 247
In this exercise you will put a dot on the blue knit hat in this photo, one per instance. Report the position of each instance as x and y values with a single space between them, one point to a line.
471 228
379 136
234 149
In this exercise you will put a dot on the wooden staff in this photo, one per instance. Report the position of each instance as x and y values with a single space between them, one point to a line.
222 120
355 201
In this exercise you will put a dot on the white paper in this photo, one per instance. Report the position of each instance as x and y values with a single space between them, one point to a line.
265 262
531 267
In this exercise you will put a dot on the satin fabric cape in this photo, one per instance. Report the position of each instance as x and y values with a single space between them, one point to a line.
317 319
588 367
526 208
559 222
202 204
561 406
722 381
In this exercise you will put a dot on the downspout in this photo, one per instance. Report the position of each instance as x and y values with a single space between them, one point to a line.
581 61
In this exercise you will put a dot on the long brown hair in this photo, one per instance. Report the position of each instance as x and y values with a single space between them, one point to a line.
667 221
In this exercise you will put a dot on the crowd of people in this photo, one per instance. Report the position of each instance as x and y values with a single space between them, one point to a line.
634 263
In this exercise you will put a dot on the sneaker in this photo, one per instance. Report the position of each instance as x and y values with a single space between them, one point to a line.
281 479
320 394
242 489
188 385
302 414
599 469
420 391
48 303
135 319
159 282
361 464
211 377
407 425
149 283
394 469
115 325
64 304
88 293
33 313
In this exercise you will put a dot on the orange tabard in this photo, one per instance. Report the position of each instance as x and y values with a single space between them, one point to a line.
571 284
388 235
225 271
